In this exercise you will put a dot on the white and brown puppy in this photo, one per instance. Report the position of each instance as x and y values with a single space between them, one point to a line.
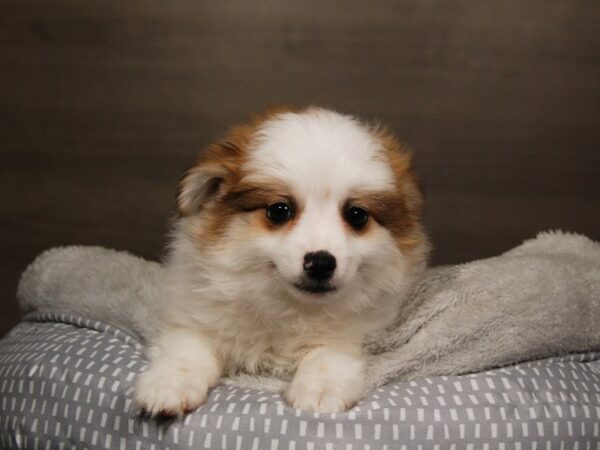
299 233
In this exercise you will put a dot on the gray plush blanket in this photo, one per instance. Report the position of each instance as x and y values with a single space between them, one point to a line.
538 300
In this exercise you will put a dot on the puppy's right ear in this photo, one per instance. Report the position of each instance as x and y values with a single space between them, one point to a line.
199 185
218 164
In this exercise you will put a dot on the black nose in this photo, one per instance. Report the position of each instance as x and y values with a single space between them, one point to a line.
319 265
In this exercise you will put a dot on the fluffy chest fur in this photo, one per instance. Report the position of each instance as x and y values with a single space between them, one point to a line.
254 324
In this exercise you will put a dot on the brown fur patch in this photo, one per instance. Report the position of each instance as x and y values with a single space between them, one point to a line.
219 169
223 158
255 199
246 197
401 211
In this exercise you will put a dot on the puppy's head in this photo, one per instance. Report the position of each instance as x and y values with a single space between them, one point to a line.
310 203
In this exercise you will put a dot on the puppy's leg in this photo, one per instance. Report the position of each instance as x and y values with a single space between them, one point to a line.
327 380
182 368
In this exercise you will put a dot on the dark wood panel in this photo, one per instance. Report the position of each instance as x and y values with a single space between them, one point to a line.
103 104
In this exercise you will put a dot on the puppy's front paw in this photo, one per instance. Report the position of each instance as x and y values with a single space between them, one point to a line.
318 395
327 380
170 390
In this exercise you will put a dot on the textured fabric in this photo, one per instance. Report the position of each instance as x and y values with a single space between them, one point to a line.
538 300
66 382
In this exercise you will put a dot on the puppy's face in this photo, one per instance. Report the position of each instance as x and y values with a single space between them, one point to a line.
312 203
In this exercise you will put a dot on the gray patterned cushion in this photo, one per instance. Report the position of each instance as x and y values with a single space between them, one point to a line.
66 382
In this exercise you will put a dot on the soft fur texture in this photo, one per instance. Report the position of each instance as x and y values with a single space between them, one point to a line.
538 300
239 293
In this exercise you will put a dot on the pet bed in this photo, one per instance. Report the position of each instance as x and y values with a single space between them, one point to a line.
67 371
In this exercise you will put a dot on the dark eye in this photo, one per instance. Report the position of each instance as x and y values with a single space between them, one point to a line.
279 213
356 217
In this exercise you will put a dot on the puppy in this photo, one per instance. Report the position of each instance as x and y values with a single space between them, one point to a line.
298 234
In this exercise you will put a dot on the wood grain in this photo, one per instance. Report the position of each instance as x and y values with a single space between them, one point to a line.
104 104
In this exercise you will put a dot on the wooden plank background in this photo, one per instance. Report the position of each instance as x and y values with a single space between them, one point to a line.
103 104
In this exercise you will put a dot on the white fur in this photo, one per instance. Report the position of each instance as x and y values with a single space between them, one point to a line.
233 306
179 375
319 154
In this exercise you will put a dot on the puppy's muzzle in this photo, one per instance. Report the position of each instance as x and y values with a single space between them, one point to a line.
318 272
319 266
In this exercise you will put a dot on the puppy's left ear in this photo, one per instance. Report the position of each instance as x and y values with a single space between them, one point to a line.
205 181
